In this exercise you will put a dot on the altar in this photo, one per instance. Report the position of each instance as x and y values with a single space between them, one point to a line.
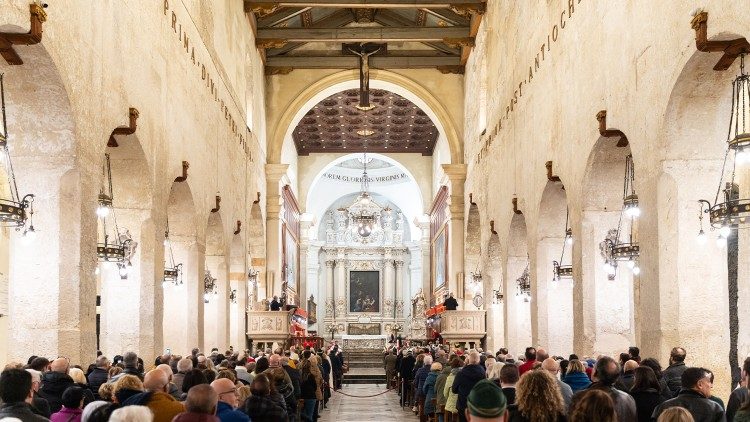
364 342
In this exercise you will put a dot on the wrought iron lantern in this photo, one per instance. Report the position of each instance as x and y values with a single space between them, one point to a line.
524 285
210 287
365 212
122 248
558 269
15 211
730 211
172 271
628 250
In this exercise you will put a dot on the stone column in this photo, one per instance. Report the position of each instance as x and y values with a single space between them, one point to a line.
330 302
399 288
389 304
274 175
341 303
194 270
222 304
456 173
423 254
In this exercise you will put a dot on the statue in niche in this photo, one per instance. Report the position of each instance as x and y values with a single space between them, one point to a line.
418 305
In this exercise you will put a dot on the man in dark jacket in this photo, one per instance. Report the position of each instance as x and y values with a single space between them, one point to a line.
293 375
420 376
16 394
606 373
740 394
450 303
55 382
405 371
465 380
673 374
99 375
389 362
694 396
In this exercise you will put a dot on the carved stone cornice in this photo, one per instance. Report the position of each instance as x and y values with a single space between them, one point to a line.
459 42
469 9
271 42
445 70
262 9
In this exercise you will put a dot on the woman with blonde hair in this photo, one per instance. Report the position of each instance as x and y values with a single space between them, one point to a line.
576 376
125 387
80 379
538 398
676 414
311 381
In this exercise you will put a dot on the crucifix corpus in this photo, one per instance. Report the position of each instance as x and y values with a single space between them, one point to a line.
364 51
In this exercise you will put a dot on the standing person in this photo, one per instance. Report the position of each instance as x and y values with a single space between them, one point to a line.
419 378
99 375
156 397
405 371
325 363
508 380
275 304
576 376
200 405
538 399
283 384
627 379
593 405
673 373
260 407
740 395
226 409
55 382
694 396
311 381
440 395
607 372
646 392
389 363
656 367
428 389
465 380
452 398
530 355
72 406
450 303
486 403
184 366
79 378
553 367
16 394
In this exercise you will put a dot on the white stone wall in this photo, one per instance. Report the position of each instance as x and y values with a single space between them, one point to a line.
638 61
196 98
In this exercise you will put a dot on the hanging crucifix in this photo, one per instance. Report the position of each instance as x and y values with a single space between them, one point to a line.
364 51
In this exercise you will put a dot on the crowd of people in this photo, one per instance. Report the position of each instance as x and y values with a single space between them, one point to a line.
454 385
268 386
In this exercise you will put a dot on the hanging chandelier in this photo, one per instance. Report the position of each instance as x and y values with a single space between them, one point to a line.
122 248
626 250
558 269
172 271
14 210
524 285
733 212
210 287
365 212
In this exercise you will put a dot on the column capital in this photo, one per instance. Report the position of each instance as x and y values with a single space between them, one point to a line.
399 264
455 171
274 172
329 263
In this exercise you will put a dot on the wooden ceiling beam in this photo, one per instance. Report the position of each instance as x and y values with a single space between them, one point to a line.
449 16
352 62
390 18
255 5
366 34
334 20
281 16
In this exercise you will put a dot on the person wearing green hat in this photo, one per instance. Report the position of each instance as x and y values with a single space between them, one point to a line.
486 403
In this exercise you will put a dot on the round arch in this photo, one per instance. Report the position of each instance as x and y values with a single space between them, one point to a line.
517 311
379 79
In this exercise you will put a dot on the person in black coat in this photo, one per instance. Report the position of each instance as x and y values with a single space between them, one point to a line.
326 365
406 370
694 396
54 383
465 380
673 373
646 392
98 375
451 304
336 367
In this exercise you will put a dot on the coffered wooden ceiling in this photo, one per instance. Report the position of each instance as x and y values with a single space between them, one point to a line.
397 124
417 33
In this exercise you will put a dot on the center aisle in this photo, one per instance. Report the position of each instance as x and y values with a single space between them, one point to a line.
384 407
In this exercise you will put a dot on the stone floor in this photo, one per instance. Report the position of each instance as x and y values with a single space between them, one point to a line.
384 407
